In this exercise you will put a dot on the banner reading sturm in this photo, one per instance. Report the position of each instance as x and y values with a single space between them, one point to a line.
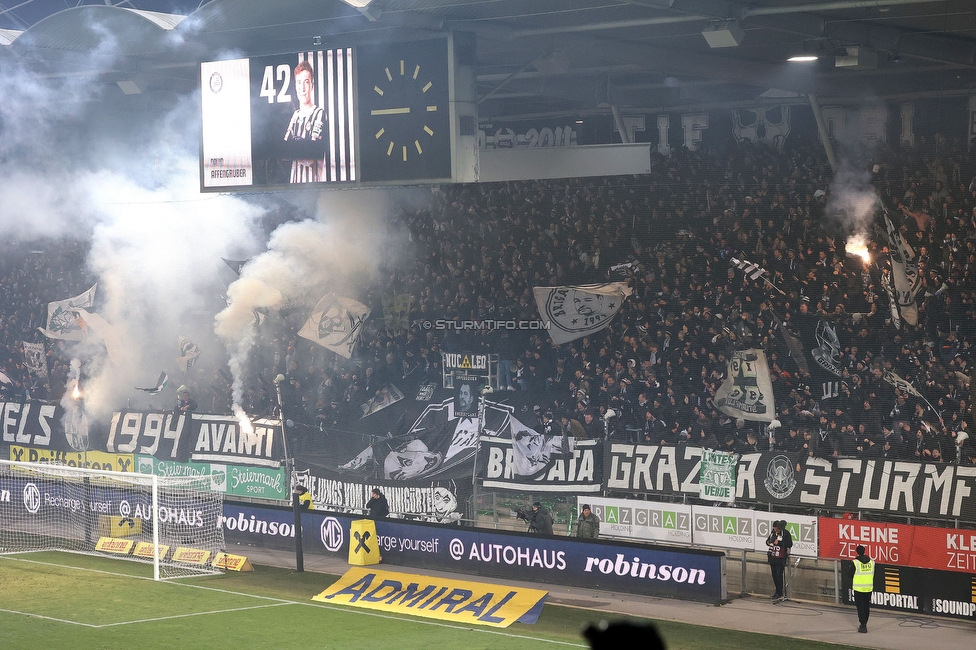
459 601
901 487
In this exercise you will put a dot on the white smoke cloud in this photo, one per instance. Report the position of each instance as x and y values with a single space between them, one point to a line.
337 251
120 173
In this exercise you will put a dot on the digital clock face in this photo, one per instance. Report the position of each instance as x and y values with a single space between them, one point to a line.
404 112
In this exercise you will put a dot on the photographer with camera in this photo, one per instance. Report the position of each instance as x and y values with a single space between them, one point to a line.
780 541
538 518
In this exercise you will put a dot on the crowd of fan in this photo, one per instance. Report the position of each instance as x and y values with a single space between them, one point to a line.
477 251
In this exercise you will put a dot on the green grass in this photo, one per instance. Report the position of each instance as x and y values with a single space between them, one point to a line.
89 602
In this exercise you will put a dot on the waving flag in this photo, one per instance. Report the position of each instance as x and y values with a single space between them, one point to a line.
160 384
904 272
574 312
336 323
62 317
189 351
748 391
751 271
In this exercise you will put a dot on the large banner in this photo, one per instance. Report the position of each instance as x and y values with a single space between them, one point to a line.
171 435
573 469
618 566
897 487
36 424
945 549
675 523
439 501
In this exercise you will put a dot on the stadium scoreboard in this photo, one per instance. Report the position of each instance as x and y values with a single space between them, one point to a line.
359 116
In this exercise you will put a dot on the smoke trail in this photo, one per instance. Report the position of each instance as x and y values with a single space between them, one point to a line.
338 251
853 203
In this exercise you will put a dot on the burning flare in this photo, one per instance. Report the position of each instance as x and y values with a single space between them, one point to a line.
857 245
246 427
76 393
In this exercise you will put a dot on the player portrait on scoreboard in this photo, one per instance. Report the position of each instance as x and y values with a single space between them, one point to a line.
302 125
306 130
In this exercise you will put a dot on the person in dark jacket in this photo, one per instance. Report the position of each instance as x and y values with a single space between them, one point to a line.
588 524
538 518
780 542
378 507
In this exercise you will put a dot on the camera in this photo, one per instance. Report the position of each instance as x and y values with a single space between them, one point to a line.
521 514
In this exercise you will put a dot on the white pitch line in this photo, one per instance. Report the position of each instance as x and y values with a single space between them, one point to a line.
49 618
284 601
166 618
406 619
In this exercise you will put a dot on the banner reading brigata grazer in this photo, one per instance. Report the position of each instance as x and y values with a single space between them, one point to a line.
944 549
897 487
577 470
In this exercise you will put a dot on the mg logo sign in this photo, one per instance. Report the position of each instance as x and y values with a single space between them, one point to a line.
32 498
332 534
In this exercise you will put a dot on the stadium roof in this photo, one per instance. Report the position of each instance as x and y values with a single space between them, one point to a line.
539 57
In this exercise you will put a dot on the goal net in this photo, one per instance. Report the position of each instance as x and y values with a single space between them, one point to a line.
172 523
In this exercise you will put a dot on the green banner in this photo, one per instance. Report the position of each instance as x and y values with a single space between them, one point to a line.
717 478
236 480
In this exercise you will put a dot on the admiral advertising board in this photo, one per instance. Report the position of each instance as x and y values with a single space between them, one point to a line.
898 487
674 523
652 570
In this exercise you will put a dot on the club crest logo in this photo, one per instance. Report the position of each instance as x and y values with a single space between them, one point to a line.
780 478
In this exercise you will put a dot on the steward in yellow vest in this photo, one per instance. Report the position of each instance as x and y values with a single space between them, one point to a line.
863 585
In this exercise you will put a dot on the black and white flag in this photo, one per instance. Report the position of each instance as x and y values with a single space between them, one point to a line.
892 301
827 352
189 351
793 345
160 384
35 359
747 392
829 390
574 312
904 272
900 383
336 323
749 269
235 265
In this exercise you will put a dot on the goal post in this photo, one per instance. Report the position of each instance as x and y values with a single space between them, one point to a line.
172 523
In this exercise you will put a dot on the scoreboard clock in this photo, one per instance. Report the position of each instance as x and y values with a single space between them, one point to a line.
405 112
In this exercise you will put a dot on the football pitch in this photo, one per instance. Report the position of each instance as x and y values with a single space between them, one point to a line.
72 601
